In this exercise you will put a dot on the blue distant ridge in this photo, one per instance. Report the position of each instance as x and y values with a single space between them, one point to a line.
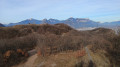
73 22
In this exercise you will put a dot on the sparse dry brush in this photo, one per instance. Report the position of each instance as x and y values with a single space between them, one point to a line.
6 45
19 42
8 32
53 39
23 30
114 52
74 40
24 37
57 29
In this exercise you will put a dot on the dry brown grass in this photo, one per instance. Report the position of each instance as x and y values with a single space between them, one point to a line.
63 42
68 59
6 45
24 37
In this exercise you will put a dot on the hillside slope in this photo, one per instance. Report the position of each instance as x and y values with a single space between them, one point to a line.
68 59
58 45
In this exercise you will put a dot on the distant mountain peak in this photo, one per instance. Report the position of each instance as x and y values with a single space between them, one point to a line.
31 19
71 18
44 19
82 19
73 22
1 25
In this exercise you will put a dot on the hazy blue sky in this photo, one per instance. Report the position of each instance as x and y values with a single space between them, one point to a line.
12 11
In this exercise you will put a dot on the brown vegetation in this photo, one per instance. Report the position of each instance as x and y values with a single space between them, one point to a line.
80 53
54 39
17 40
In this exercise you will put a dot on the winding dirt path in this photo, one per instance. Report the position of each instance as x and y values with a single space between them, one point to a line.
29 62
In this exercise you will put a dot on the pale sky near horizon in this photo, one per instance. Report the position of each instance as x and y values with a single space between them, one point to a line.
12 11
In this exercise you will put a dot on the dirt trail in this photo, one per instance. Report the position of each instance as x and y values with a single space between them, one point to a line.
89 56
29 62
32 52
67 59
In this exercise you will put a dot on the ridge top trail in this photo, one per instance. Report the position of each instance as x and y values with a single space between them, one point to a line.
88 52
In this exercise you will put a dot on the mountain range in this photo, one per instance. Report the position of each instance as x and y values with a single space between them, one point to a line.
73 22
1 25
